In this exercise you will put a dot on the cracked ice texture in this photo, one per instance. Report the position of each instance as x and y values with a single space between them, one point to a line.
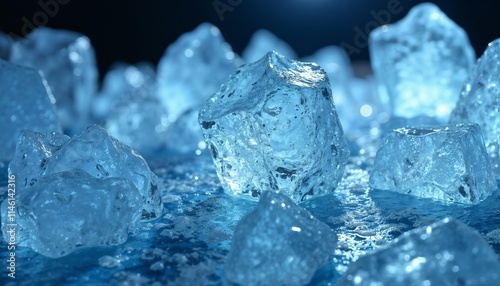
263 42
444 163
65 211
67 60
5 46
273 126
422 62
278 243
93 151
445 253
26 102
193 68
480 101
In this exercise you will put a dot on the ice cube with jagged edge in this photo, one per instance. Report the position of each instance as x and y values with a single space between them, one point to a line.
193 68
278 243
68 62
93 151
66 211
421 62
274 126
447 163
262 42
5 46
480 101
445 253
184 136
26 102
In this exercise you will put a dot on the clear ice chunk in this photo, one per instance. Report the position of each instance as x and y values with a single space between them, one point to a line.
263 42
65 211
27 103
93 151
68 62
184 136
5 46
278 243
193 68
445 253
422 62
480 101
447 163
273 126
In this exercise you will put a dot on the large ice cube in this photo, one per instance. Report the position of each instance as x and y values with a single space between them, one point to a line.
26 102
193 68
445 253
446 163
68 62
273 126
65 211
263 42
5 46
278 243
93 151
480 101
421 62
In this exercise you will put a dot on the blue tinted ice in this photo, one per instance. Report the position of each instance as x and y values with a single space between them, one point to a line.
445 253
93 151
444 163
26 102
278 243
480 101
193 68
273 126
68 62
421 62
184 136
65 211
263 42
5 46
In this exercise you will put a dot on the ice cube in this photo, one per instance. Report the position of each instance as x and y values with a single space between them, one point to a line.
184 136
421 62
273 126
193 68
263 42
278 243
480 101
65 211
26 102
445 253
68 62
5 46
93 151
447 163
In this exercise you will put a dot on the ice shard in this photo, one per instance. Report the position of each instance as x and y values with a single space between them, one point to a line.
447 163
68 62
26 102
274 126
278 243
93 151
193 68
480 101
263 42
422 62
445 253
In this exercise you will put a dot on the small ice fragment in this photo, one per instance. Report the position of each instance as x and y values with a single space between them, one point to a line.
278 243
447 163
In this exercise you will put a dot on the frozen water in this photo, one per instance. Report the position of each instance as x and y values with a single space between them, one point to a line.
263 42
446 163
422 62
184 136
400 122
480 101
68 62
278 243
69 210
26 102
445 253
193 68
93 151
5 46
273 126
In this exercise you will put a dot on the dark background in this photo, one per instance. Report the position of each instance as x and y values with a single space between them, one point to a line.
133 30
